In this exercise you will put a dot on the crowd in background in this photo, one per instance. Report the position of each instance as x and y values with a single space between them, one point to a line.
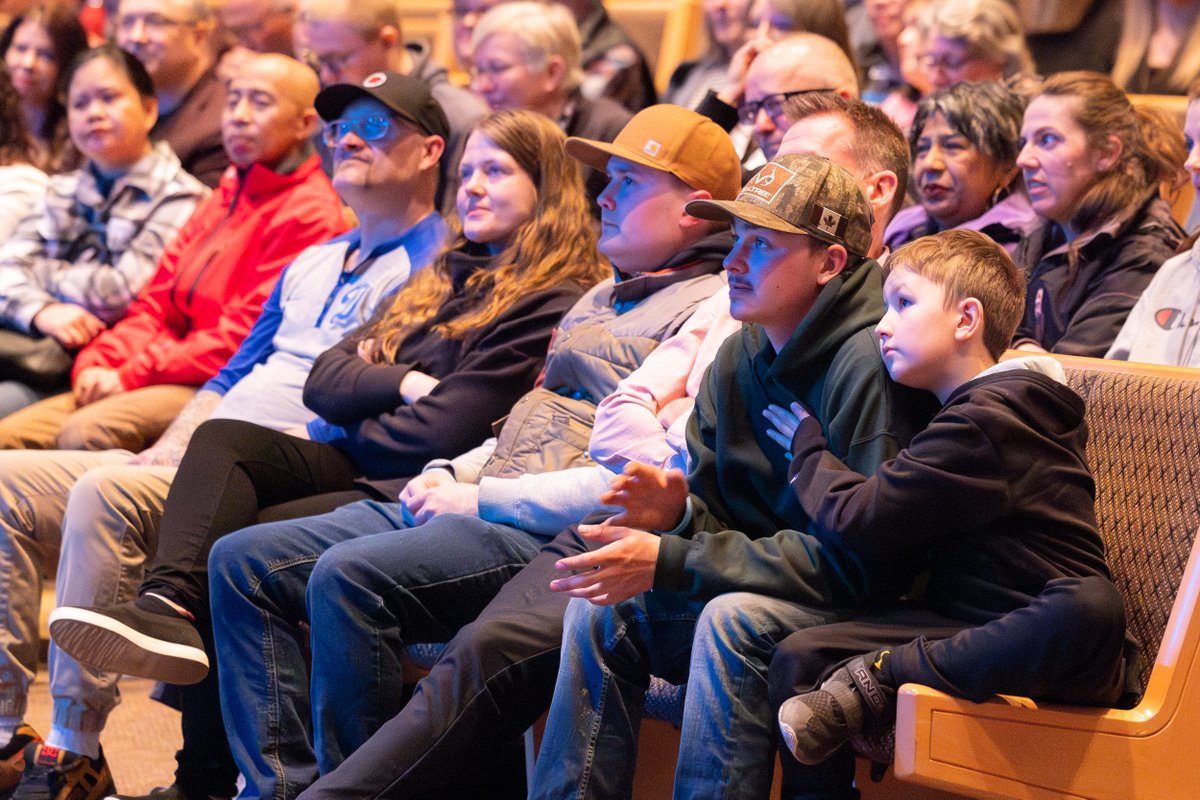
313 348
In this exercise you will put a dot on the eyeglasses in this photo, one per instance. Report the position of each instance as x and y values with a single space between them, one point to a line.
772 104
490 70
334 63
946 62
369 129
155 23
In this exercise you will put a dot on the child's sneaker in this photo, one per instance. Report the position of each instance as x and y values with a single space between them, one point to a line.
850 703
54 774
12 759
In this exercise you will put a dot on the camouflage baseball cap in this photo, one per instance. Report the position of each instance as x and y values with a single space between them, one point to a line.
804 194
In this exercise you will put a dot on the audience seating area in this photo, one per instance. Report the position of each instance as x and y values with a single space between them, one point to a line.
1145 433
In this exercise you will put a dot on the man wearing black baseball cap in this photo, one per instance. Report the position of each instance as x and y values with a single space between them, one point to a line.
387 137
405 99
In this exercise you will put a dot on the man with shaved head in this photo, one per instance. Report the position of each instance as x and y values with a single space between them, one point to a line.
800 63
209 289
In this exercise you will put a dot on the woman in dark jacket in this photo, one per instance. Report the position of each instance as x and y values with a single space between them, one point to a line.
1092 173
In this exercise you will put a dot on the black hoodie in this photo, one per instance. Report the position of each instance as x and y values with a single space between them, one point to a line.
997 487
740 492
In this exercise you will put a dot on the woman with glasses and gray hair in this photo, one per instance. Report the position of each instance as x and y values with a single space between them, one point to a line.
527 55
973 40
964 142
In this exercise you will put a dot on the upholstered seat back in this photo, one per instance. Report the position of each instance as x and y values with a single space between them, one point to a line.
1144 450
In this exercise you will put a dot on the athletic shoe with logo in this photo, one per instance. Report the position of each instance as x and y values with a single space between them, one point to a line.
12 759
54 774
145 637
851 703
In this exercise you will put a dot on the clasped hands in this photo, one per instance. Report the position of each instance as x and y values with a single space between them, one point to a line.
652 499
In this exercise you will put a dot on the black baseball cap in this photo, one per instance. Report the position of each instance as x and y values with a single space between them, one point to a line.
407 96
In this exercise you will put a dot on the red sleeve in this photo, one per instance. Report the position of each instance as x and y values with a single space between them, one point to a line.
157 344
141 321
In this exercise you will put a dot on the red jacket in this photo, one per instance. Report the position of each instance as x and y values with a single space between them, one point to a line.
213 279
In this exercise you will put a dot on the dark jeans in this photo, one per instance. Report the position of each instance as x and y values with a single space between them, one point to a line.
1068 646
493 681
231 472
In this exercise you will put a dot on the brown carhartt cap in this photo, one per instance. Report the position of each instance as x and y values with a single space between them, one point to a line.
800 194
675 140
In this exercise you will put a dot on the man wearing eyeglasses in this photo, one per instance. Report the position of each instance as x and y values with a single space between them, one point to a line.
172 38
755 96
347 40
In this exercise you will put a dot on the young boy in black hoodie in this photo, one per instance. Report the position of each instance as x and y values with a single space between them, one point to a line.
998 491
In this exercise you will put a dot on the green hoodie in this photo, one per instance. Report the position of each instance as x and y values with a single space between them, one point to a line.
738 479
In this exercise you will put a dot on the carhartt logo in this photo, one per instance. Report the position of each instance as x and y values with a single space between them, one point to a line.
769 181
651 148
374 79
828 221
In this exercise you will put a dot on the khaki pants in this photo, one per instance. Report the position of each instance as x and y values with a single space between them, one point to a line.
103 515
128 421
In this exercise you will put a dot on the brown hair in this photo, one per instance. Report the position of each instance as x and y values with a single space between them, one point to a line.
966 264
60 21
1102 110
16 146
877 144
557 244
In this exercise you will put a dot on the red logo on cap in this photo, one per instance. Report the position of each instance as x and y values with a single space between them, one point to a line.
374 79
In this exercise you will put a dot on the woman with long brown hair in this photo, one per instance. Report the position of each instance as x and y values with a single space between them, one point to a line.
21 183
37 47
1092 165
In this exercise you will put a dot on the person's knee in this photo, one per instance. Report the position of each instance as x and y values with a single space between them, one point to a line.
1089 603
83 431
726 617
228 567
794 668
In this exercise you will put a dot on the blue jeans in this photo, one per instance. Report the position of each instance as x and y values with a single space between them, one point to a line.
15 395
368 587
721 648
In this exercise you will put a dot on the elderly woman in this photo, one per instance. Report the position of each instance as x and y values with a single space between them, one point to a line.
1092 171
964 143
973 40
526 55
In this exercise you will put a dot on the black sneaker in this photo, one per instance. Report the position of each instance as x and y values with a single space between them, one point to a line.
850 703
145 637
12 758
172 792
53 774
